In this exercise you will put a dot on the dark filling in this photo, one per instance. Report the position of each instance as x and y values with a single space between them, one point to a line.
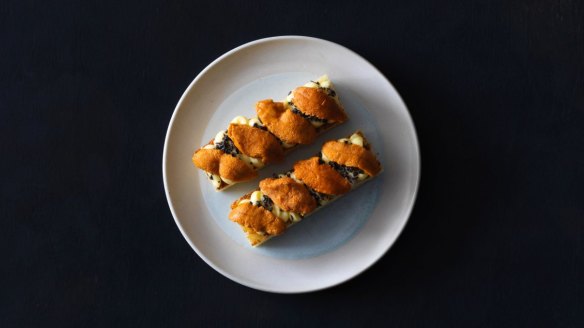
276 176
319 197
295 110
348 172
266 203
261 127
330 92
226 145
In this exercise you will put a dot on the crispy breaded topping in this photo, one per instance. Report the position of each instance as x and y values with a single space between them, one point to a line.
315 102
226 166
352 155
234 169
257 219
288 194
284 124
256 143
321 177
208 160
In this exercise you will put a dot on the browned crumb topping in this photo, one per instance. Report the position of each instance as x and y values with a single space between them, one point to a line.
321 177
284 124
316 102
288 194
256 143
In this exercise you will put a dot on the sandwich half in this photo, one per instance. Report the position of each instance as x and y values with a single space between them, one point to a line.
288 198
248 144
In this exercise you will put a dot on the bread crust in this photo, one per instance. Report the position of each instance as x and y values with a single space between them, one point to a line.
284 124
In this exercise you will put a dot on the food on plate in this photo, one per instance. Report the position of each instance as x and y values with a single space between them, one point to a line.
252 143
288 198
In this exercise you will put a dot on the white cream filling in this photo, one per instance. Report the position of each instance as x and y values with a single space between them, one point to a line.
251 161
316 124
293 176
323 82
295 217
256 198
245 121
287 145
239 120
326 83
354 139
227 181
215 179
219 136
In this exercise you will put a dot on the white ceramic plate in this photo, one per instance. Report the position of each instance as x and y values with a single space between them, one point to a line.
336 243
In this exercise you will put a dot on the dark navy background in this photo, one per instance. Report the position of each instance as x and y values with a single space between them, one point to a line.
495 88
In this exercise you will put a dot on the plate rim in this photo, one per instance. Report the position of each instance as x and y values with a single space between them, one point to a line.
165 179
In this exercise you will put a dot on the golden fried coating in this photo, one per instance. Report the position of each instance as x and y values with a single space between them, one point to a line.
234 169
226 166
257 218
321 177
352 155
316 102
208 160
284 124
256 143
288 194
